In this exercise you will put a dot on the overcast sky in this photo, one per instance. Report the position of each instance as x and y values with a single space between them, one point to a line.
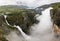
30 3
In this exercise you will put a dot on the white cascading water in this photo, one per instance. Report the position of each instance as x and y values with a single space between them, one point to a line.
41 31
24 35
5 16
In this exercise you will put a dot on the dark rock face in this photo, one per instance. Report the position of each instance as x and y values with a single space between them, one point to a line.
24 20
2 20
56 17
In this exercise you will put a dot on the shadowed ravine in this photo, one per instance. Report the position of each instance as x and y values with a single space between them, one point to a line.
39 32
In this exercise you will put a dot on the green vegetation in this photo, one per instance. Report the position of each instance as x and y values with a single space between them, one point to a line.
56 5
22 18
15 16
56 8
56 13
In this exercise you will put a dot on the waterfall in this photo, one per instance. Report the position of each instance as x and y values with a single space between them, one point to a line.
19 28
45 21
43 30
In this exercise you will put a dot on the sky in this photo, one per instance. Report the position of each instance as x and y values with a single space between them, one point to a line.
30 3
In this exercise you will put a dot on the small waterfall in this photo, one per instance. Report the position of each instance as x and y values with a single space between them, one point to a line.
19 28
5 16
24 35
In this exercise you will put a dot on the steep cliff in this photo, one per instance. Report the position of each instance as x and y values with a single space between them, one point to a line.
55 15
22 17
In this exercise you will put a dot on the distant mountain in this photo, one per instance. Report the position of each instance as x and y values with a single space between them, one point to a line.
14 6
43 7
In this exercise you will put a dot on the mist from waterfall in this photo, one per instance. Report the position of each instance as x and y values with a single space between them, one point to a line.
41 31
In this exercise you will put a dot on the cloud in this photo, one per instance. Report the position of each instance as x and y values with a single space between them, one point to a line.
30 3
37 3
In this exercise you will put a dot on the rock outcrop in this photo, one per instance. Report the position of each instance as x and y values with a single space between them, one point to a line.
55 15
